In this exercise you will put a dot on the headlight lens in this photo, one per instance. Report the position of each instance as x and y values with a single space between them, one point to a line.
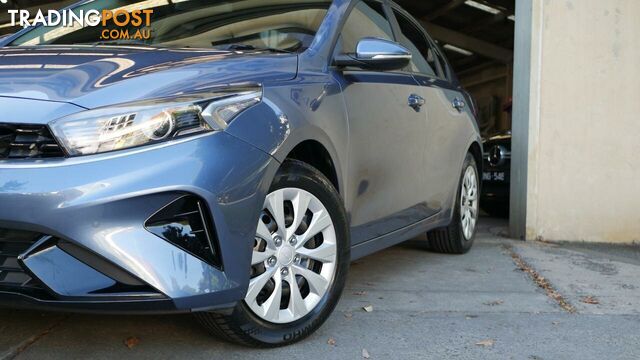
137 124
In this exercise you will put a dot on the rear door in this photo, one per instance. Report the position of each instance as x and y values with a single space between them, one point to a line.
445 112
386 189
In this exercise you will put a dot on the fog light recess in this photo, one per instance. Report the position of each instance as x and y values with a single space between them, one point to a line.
185 223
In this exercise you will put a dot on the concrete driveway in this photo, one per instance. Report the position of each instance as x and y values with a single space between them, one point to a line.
501 301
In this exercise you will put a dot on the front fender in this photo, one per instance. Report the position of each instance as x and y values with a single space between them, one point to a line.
310 108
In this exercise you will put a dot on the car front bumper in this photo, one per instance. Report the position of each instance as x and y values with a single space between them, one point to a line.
88 248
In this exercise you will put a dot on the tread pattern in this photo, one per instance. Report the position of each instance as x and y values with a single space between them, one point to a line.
442 240
219 326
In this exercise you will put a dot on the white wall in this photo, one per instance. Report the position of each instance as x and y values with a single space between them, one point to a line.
583 172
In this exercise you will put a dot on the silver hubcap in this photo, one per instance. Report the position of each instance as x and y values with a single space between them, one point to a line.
294 256
469 202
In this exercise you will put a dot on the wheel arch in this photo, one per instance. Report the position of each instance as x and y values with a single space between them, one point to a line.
314 153
476 150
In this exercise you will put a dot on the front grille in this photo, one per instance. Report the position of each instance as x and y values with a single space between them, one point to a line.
27 142
13 243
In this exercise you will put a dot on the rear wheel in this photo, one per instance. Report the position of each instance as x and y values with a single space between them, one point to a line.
458 237
299 263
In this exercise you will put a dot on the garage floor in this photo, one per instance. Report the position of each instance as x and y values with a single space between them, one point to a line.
424 306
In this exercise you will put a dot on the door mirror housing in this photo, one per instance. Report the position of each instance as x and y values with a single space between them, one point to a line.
376 54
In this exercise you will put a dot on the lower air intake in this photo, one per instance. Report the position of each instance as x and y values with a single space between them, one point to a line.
14 243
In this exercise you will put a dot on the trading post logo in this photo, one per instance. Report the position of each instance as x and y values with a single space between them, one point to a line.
117 24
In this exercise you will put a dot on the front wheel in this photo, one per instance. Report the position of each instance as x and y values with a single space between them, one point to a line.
299 263
457 238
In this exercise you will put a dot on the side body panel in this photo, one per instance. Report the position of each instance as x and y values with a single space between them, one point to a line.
387 153
448 132
330 121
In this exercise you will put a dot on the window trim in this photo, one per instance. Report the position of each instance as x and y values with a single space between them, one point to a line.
446 72
390 18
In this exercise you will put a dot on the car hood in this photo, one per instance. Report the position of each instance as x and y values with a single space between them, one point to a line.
94 76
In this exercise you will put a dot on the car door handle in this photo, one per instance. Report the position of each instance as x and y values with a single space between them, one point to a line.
458 104
416 102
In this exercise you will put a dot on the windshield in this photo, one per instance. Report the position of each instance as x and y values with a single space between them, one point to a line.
284 25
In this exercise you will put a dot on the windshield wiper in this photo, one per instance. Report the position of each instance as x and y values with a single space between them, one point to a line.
248 47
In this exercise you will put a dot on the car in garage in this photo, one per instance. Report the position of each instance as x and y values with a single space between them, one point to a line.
496 174
231 166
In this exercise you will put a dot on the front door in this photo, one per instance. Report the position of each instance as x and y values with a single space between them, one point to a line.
386 189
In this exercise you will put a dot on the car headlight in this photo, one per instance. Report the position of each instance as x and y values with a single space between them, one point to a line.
136 124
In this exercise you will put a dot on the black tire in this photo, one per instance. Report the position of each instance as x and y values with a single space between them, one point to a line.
241 325
451 239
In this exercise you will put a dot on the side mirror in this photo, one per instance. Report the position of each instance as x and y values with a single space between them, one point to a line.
376 54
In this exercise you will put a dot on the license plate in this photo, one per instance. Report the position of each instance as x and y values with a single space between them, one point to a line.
494 176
